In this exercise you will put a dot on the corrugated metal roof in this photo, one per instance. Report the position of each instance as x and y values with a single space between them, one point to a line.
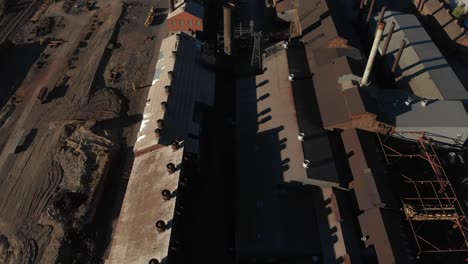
191 83
190 7
270 222
381 220
423 69
384 231
135 239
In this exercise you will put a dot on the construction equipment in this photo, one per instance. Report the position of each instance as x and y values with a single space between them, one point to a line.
149 19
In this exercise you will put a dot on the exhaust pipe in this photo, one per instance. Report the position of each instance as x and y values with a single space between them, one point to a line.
373 53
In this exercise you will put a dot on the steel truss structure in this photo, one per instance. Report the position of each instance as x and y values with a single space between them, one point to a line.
432 209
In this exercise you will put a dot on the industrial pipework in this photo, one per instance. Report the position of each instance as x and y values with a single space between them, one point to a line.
373 53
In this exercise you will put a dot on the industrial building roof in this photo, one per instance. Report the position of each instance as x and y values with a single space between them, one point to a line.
190 7
191 83
422 68
441 13
380 220
135 239
382 230
269 156
369 180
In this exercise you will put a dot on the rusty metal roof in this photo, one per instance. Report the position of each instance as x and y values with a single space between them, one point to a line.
370 183
383 230
135 239
380 220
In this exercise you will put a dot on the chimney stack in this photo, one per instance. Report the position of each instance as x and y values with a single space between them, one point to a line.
389 37
227 19
371 10
398 57
373 53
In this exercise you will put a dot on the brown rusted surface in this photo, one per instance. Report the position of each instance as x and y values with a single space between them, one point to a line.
136 239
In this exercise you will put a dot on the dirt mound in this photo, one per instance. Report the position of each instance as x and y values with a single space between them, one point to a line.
73 173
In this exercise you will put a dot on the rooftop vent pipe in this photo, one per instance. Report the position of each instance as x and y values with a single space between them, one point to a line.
171 168
164 106
170 75
373 53
305 164
166 195
301 136
160 226
227 20
424 103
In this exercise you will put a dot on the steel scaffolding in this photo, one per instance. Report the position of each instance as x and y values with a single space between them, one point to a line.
431 207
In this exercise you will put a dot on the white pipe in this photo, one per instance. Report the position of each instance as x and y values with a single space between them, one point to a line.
375 47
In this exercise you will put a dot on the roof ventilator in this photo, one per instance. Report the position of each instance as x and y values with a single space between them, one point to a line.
160 226
171 168
166 195
301 136
305 164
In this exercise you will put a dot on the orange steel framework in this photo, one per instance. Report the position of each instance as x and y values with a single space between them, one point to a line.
430 198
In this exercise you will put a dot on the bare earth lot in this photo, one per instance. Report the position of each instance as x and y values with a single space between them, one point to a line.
56 155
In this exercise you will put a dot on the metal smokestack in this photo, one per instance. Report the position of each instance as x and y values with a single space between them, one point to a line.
398 57
389 37
227 19
371 10
373 53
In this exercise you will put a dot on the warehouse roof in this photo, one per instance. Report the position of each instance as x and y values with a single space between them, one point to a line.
380 220
269 156
369 180
423 69
190 7
191 83
135 239
382 229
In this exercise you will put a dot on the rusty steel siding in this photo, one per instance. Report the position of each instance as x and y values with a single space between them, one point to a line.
186 17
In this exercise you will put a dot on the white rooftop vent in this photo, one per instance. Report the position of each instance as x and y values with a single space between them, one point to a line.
424 103
301 136
305 164
291 77
408 102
